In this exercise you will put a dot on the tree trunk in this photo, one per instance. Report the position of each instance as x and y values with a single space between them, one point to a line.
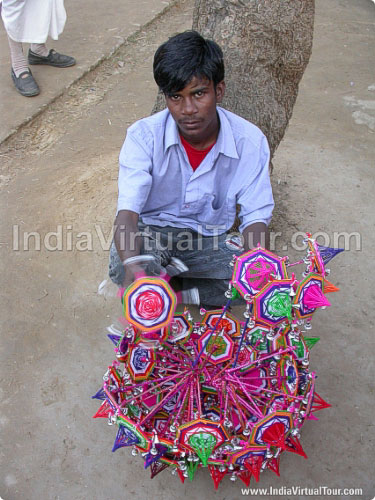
267 45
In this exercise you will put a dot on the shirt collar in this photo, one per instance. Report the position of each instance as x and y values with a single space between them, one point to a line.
225 143
171 136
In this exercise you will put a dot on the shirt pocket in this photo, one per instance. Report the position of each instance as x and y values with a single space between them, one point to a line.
214 213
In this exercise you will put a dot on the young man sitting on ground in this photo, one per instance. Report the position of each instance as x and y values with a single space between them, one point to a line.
184 170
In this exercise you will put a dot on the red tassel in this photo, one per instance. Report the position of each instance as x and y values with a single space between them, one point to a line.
104 411
156 468
295 446
254 464
328 287
216 475
318 403
245 476
181 476
274 465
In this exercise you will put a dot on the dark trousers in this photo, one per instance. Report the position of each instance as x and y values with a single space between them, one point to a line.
206 257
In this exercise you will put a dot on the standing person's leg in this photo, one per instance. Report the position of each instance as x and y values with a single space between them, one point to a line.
39 54
20 72
40 49
32 21
18 60
209 268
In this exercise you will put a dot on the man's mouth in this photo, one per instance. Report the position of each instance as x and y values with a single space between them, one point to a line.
190 124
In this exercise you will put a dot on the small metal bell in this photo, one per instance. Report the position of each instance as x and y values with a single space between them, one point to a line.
153 450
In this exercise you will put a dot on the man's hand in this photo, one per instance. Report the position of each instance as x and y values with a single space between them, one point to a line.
254 234
127 241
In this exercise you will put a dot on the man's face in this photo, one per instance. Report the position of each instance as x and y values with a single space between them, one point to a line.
194 110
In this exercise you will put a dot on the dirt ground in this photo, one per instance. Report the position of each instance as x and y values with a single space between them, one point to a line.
58 175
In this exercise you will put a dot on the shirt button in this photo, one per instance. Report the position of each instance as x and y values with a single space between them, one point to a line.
187 205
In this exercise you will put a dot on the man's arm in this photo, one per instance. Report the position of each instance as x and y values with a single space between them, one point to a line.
254 234
127 241
256 201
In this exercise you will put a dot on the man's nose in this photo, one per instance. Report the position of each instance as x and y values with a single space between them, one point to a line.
189 107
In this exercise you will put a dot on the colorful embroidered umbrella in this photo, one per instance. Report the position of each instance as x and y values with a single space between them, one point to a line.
309 296
202 437
229 324
240 457
149 304
295 339
255 268
180 328
141 362
263 428
288 375
272 305
217 348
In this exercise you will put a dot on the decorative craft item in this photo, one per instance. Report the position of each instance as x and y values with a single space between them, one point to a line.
222 394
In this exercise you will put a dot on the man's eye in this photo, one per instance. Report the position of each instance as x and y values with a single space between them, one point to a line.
175 97
199 93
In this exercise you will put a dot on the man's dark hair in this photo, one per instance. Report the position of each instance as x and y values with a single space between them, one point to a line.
185 56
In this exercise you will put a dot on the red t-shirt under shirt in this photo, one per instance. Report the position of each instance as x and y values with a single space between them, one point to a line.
196 156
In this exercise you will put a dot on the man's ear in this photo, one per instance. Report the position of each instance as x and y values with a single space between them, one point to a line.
220 90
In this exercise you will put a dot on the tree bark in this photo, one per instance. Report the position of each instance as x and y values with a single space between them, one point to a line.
267 45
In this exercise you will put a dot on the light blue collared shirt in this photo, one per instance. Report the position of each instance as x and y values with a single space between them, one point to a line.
157 181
